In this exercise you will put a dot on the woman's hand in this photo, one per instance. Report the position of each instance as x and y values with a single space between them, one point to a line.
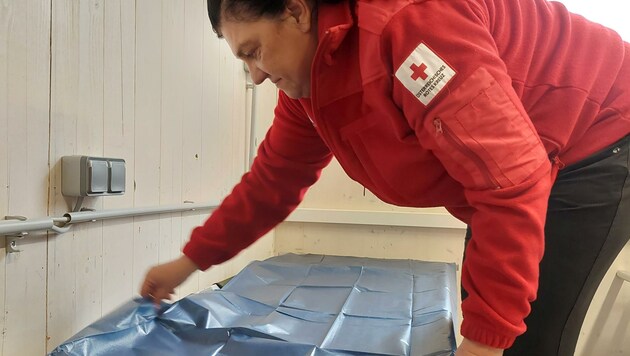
471 348
161 280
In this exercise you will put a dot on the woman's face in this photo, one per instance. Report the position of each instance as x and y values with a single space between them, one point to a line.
279 49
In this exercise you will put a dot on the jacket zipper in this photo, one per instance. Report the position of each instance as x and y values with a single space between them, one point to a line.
314 104
442 129
557 162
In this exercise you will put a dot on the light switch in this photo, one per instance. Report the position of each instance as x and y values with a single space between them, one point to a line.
116 176
98 173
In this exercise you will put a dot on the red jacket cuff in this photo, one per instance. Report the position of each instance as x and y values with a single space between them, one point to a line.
473 330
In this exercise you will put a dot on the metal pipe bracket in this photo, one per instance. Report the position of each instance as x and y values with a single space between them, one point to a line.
11 240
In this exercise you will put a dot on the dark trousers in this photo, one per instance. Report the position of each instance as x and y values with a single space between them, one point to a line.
588 224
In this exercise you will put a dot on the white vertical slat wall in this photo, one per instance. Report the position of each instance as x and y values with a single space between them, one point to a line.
192 49
143 80
147 122
24 102
4 148
63 119
119 43
171 136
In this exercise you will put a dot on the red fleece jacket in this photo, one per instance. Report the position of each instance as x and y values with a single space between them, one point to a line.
468 104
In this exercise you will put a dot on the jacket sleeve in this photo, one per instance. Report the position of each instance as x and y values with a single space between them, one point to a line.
289 160
462 106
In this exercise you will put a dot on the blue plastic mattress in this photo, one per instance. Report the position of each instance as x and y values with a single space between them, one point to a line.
292 305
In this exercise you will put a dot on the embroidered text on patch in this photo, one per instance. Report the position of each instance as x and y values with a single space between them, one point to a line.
424 74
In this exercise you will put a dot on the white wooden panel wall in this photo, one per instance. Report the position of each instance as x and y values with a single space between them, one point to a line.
118 132
64 98
171 136
192 89
24 78
142 80
4 146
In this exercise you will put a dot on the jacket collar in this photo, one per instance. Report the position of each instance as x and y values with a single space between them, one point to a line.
333 21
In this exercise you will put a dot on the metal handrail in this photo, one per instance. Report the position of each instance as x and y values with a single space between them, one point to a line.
18 227
11 227
90 216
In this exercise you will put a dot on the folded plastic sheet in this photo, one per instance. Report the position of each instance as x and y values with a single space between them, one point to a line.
292 305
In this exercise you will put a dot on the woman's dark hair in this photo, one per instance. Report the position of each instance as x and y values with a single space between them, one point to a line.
247 9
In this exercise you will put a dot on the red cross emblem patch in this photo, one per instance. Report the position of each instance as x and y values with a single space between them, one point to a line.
424 73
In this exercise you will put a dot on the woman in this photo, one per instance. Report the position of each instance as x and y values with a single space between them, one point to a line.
514 115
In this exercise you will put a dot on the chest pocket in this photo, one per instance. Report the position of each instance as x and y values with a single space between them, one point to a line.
396 169
370 150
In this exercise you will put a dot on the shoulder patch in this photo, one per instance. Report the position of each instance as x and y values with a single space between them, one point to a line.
424 73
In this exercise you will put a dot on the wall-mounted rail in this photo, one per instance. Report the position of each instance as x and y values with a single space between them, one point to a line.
15 228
